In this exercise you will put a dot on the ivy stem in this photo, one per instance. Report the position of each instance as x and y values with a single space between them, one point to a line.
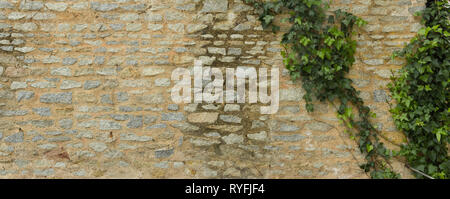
419 172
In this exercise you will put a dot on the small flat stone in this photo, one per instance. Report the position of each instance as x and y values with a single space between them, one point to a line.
226 128
233 139
15 138
206 117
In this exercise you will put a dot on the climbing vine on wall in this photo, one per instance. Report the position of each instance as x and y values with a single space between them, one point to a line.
319 52
422 93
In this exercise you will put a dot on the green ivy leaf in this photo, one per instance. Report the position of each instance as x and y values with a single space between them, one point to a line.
369 148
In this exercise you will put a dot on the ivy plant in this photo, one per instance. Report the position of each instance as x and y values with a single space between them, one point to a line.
319 51
421 90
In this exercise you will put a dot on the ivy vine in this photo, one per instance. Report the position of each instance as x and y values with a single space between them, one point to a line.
421 90
319 51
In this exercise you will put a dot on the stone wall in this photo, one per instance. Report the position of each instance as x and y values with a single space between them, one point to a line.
85 91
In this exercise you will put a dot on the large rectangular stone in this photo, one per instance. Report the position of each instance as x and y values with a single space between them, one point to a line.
57 98
215 6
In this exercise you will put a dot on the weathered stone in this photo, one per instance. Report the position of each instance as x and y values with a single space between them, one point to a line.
44 172
261 136
233 139
24 95
11 113
374 62
190 107
206 117
232 172
172 117
31 5
53 133
42 111
232 107
133 27
107 71
393 28
234 51
155 27
42 123
242 27
207 60
109 125
18 85
37 138
60 7
381 96
81 172
215 6
163 153
13 71
318 126
65 123
44 16
178 28
136 83
157 126
257 124
153 71
135 122
161 165
59 139
148 119
106 99
192 28
62 71
91 84
98 146
24 49
288 128
231 119
214 50
52 60
173 107
122 96
69 84
43 85
15 138
292 94
226 128
104 7
211 107
69 61
186 7
185 127
6 94
134 137
288 138
6 5
129 17
153 17
47 146
150 99
58 98
203 142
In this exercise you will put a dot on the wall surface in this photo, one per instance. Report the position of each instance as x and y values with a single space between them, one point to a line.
85 91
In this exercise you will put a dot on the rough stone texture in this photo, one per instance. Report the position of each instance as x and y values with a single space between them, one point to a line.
215 6
76 93
203 117
15 138
57 98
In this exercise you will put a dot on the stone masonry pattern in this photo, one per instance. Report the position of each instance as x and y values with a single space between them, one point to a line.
85 91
